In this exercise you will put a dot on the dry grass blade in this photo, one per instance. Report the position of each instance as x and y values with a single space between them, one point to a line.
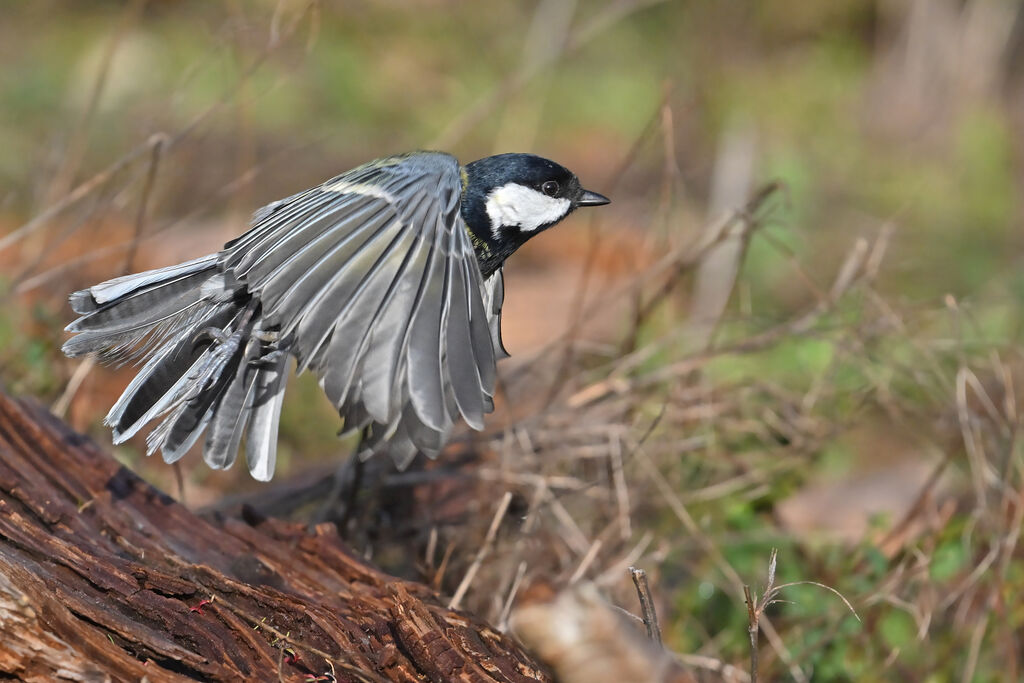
60 406
830 589
492 532
621 489
506 608
588 559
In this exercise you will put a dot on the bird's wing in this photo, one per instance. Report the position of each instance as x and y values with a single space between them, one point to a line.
372 280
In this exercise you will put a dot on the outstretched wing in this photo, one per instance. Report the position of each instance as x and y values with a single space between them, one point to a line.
371 281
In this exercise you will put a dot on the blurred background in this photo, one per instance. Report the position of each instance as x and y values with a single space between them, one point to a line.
797 326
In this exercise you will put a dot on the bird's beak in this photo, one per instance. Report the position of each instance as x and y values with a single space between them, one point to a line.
588 198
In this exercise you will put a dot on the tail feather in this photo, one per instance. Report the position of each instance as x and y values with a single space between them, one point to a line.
227 427
261 437
201 398
121 343
157 439
203 366
142 307
190 329
90 299
165 378
130 317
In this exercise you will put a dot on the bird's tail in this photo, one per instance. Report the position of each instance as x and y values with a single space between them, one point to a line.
206 363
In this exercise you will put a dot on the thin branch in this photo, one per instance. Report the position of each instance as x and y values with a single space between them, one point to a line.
643 592
157 142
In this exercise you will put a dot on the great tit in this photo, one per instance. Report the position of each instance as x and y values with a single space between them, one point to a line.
386 281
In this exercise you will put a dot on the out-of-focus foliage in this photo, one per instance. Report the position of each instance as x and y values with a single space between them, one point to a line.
870 436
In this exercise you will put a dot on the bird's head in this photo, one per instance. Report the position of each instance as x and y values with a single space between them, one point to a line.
509 198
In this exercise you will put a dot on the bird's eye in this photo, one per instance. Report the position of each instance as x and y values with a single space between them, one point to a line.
550 188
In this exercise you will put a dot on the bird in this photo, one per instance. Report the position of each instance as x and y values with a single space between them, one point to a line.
385 281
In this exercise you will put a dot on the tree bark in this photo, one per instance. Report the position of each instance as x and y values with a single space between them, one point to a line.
102 577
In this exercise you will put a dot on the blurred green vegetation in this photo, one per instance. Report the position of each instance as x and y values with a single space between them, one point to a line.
866 123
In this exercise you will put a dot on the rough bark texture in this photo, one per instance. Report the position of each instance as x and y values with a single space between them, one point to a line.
103 577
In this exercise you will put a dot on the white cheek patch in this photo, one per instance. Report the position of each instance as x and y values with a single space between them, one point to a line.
515 205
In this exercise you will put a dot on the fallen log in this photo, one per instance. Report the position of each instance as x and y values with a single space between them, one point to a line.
102 577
